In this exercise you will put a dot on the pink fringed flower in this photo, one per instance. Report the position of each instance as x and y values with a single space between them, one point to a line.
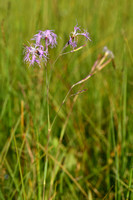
38 52
49 36
77 32
35 54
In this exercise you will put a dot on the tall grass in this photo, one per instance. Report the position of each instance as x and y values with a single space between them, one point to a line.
88 154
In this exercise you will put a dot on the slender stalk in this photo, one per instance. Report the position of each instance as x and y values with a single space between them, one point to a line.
58 148
38 168
49 130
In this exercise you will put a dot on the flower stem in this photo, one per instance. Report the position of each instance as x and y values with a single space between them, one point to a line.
48 135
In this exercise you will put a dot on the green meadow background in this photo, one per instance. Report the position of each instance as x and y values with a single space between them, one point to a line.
89 152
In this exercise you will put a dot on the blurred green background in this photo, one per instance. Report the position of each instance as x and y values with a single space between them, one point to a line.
91 144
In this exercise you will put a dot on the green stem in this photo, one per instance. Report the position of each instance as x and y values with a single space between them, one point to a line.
49 130
38 168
